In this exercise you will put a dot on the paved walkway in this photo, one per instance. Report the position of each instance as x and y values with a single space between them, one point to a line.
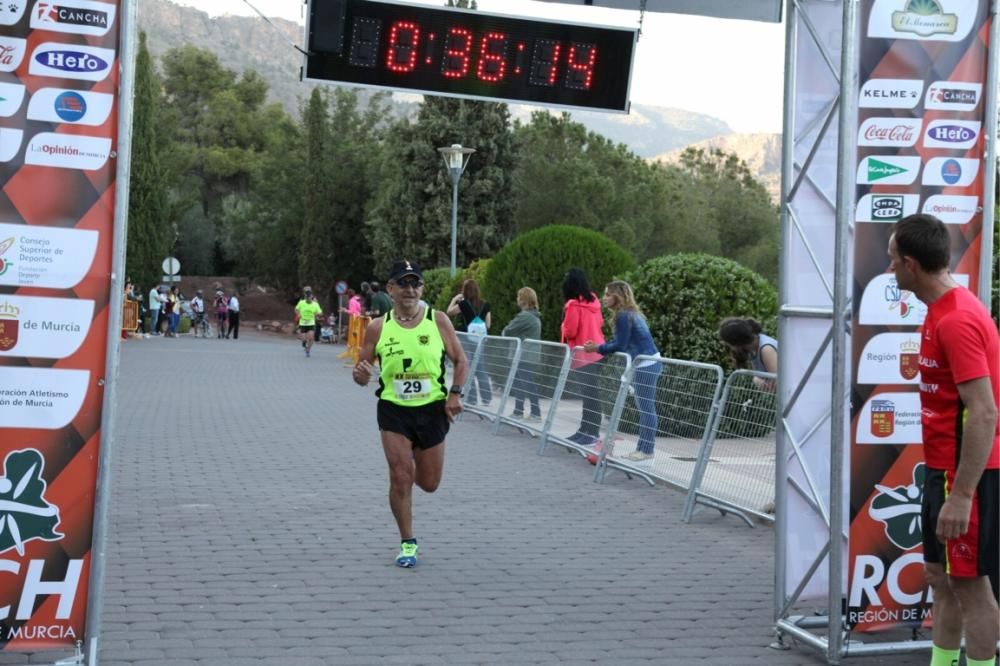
250 526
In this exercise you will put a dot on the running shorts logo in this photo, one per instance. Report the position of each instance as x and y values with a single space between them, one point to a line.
953 96
68 151
11 53
958 134
11 96
10 143
946 171
81 107
952 209
65 61
923 20
81 17
890 93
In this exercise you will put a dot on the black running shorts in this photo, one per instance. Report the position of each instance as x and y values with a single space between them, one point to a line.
425 425
977 552
306 329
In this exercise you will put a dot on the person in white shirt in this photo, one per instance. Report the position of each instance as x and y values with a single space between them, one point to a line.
234 317
198 313
154 310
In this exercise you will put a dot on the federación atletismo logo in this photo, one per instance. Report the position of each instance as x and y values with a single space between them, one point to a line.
24 512
899 510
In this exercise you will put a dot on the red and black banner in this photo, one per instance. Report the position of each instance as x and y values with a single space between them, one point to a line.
920 148
59 88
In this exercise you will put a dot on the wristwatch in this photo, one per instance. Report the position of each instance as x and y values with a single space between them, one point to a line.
456 389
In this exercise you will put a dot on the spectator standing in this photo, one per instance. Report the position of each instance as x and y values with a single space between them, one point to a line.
197 313
475 319
381 303
526 325
233 312
221 307
632 336
173 310
354 307
154 311
366 296
959 401
583 321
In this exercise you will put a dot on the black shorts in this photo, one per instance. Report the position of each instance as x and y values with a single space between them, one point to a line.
425 425
977 552
306 329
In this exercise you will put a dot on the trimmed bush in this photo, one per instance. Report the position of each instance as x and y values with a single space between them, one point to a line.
685 296
436 281
539 259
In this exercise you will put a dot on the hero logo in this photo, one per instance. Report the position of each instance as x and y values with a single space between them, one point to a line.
11 53
953 96
81 17
889 132
87 63
890 93
959 134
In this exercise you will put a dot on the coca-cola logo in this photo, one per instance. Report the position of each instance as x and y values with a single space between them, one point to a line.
7 55
890 132
896 133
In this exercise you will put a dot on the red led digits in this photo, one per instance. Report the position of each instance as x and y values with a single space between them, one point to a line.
580 66
492 57
545 63
404 37
457 48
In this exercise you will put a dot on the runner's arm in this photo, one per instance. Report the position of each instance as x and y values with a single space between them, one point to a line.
363 371
977 443
455 352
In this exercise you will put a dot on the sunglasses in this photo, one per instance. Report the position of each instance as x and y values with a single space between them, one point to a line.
415 283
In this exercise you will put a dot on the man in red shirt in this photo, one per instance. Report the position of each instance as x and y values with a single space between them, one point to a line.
959 398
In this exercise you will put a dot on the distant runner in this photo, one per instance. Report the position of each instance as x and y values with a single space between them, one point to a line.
307 313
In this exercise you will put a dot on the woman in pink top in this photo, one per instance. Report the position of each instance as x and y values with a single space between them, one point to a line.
583 321
353 308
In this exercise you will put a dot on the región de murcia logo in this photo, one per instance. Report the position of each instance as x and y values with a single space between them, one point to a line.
24 513
899 510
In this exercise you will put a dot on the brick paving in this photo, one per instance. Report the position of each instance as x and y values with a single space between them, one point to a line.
250 526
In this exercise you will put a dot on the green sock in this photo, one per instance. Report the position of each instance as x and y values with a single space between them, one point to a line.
980 662
942 657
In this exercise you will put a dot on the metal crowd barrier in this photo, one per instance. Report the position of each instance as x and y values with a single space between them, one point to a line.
735 469
584 401
491 375
537 376
663 420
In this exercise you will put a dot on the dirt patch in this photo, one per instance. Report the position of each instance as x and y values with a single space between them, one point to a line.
257 302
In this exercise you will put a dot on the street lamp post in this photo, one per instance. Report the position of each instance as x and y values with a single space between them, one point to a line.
456 158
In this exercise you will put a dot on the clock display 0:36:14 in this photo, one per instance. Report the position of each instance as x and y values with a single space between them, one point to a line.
492 57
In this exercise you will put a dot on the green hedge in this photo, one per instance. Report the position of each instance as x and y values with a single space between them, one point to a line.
539 259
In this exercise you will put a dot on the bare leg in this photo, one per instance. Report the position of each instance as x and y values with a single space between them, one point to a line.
399 454
980 615
947 632
429 467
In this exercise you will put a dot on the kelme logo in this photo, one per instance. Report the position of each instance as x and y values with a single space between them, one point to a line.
25 515
898 509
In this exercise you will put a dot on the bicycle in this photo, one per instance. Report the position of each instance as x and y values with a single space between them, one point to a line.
201 327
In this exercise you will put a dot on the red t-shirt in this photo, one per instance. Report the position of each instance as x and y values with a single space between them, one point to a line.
958 343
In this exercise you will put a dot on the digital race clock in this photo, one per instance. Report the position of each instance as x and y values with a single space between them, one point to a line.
463 53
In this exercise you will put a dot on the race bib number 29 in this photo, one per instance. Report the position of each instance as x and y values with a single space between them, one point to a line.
412 386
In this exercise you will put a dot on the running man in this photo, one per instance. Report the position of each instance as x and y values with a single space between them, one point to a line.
959 398
307 313
415 408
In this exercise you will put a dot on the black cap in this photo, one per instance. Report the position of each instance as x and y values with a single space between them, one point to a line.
402 268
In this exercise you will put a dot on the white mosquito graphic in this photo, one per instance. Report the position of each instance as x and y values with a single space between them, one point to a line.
10 507
907 506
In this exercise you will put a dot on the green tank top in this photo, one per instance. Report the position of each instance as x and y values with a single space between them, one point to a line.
412 362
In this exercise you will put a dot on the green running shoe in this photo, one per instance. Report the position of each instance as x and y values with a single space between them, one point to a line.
407 557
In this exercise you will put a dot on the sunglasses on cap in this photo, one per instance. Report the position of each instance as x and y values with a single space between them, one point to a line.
415 283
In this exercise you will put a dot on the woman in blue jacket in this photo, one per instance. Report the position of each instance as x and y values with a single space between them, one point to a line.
632 336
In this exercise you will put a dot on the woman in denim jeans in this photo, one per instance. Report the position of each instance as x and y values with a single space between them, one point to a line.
632 336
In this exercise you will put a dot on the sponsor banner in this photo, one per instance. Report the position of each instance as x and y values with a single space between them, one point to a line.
952 209
71 61
12 11
890 93
924 20
68 151
890 418
888 170
10 143
80 17
953 96
11 53
959 134
886 207
883 303
81 107
49 257
890 358
11 96
43 327
44 398
890 132
951 171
